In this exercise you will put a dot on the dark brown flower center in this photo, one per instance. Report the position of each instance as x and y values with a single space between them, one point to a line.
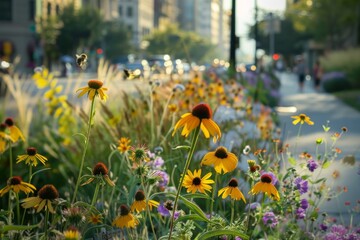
9 122
202 111
124 210
16 180
233 183
266 178
302 117
100 169
139 195
221 153
48 192
95 84
168 205
31 151
197 181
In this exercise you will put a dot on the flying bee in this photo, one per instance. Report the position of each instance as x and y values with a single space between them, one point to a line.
81 60
131 74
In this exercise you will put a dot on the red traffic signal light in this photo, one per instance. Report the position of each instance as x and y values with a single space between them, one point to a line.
99 51
276 56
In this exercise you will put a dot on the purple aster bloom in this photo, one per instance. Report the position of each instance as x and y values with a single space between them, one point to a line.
332 236
352 236
164 179
162 210
300 213
269 219
253 206
323 227
158 162
301 185
312 165
238 238
338 229
304 204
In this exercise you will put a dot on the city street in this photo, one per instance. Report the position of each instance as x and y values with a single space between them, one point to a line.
322 107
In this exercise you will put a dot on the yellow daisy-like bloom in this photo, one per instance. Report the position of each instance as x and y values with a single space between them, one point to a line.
200 116
72 234
302 118
31 157
194 182
126 219
15 132
95 218
222 160
265 185
140 202
46 195
173 108
124 145
42 78
16 184
93 89
101 170
232 190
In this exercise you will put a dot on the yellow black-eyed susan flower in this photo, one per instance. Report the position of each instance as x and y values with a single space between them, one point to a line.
95 218
222 160
100 170
266 186
32 157
16 184
139 203
94 88
302 118
15 132
126 219
232 190
124 145
193 181
46 196
201 116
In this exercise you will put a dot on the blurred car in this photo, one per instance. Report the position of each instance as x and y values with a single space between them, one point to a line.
161 63
138 69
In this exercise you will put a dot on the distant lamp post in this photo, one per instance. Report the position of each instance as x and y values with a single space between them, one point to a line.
233 38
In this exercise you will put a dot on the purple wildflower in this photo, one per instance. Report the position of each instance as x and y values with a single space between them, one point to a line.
269 219
312 165
300 213
304 204
163 211
301 185
338 229
238 238
253 206
323 227
164 179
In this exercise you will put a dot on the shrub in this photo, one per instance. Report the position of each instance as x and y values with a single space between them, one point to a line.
335 82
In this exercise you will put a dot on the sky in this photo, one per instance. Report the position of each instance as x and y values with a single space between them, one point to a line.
245 17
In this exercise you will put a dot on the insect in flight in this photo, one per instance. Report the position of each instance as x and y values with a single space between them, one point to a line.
131 74
81 60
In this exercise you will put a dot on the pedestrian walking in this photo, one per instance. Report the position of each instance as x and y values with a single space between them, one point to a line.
317 74
300 70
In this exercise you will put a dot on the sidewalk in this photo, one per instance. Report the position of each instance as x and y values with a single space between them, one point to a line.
322 107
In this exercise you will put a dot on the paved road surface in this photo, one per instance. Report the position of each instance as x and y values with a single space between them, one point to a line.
323 107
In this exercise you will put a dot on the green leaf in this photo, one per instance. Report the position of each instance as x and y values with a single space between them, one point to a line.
326 128
197 195
292 161
195 208
181 147
213 233
39 171
194 217
6 228
317 181
326 164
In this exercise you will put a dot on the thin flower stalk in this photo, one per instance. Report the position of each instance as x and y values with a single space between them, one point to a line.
164 114
213 195
187 164
91 115
96 192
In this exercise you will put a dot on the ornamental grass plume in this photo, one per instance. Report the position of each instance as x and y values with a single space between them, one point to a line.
222 160
201 115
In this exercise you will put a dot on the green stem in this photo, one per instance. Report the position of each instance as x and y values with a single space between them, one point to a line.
187 163
148 214
232 211
46 223
30 173
11 160
10 208
95 194
213 195
163 115
17 208
27 195
297 139
152 126
85 148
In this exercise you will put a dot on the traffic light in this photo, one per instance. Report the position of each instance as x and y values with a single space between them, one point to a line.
276 56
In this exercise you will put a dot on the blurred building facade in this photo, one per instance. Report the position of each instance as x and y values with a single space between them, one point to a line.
165 12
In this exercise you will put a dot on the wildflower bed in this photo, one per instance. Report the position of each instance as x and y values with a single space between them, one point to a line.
198 159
